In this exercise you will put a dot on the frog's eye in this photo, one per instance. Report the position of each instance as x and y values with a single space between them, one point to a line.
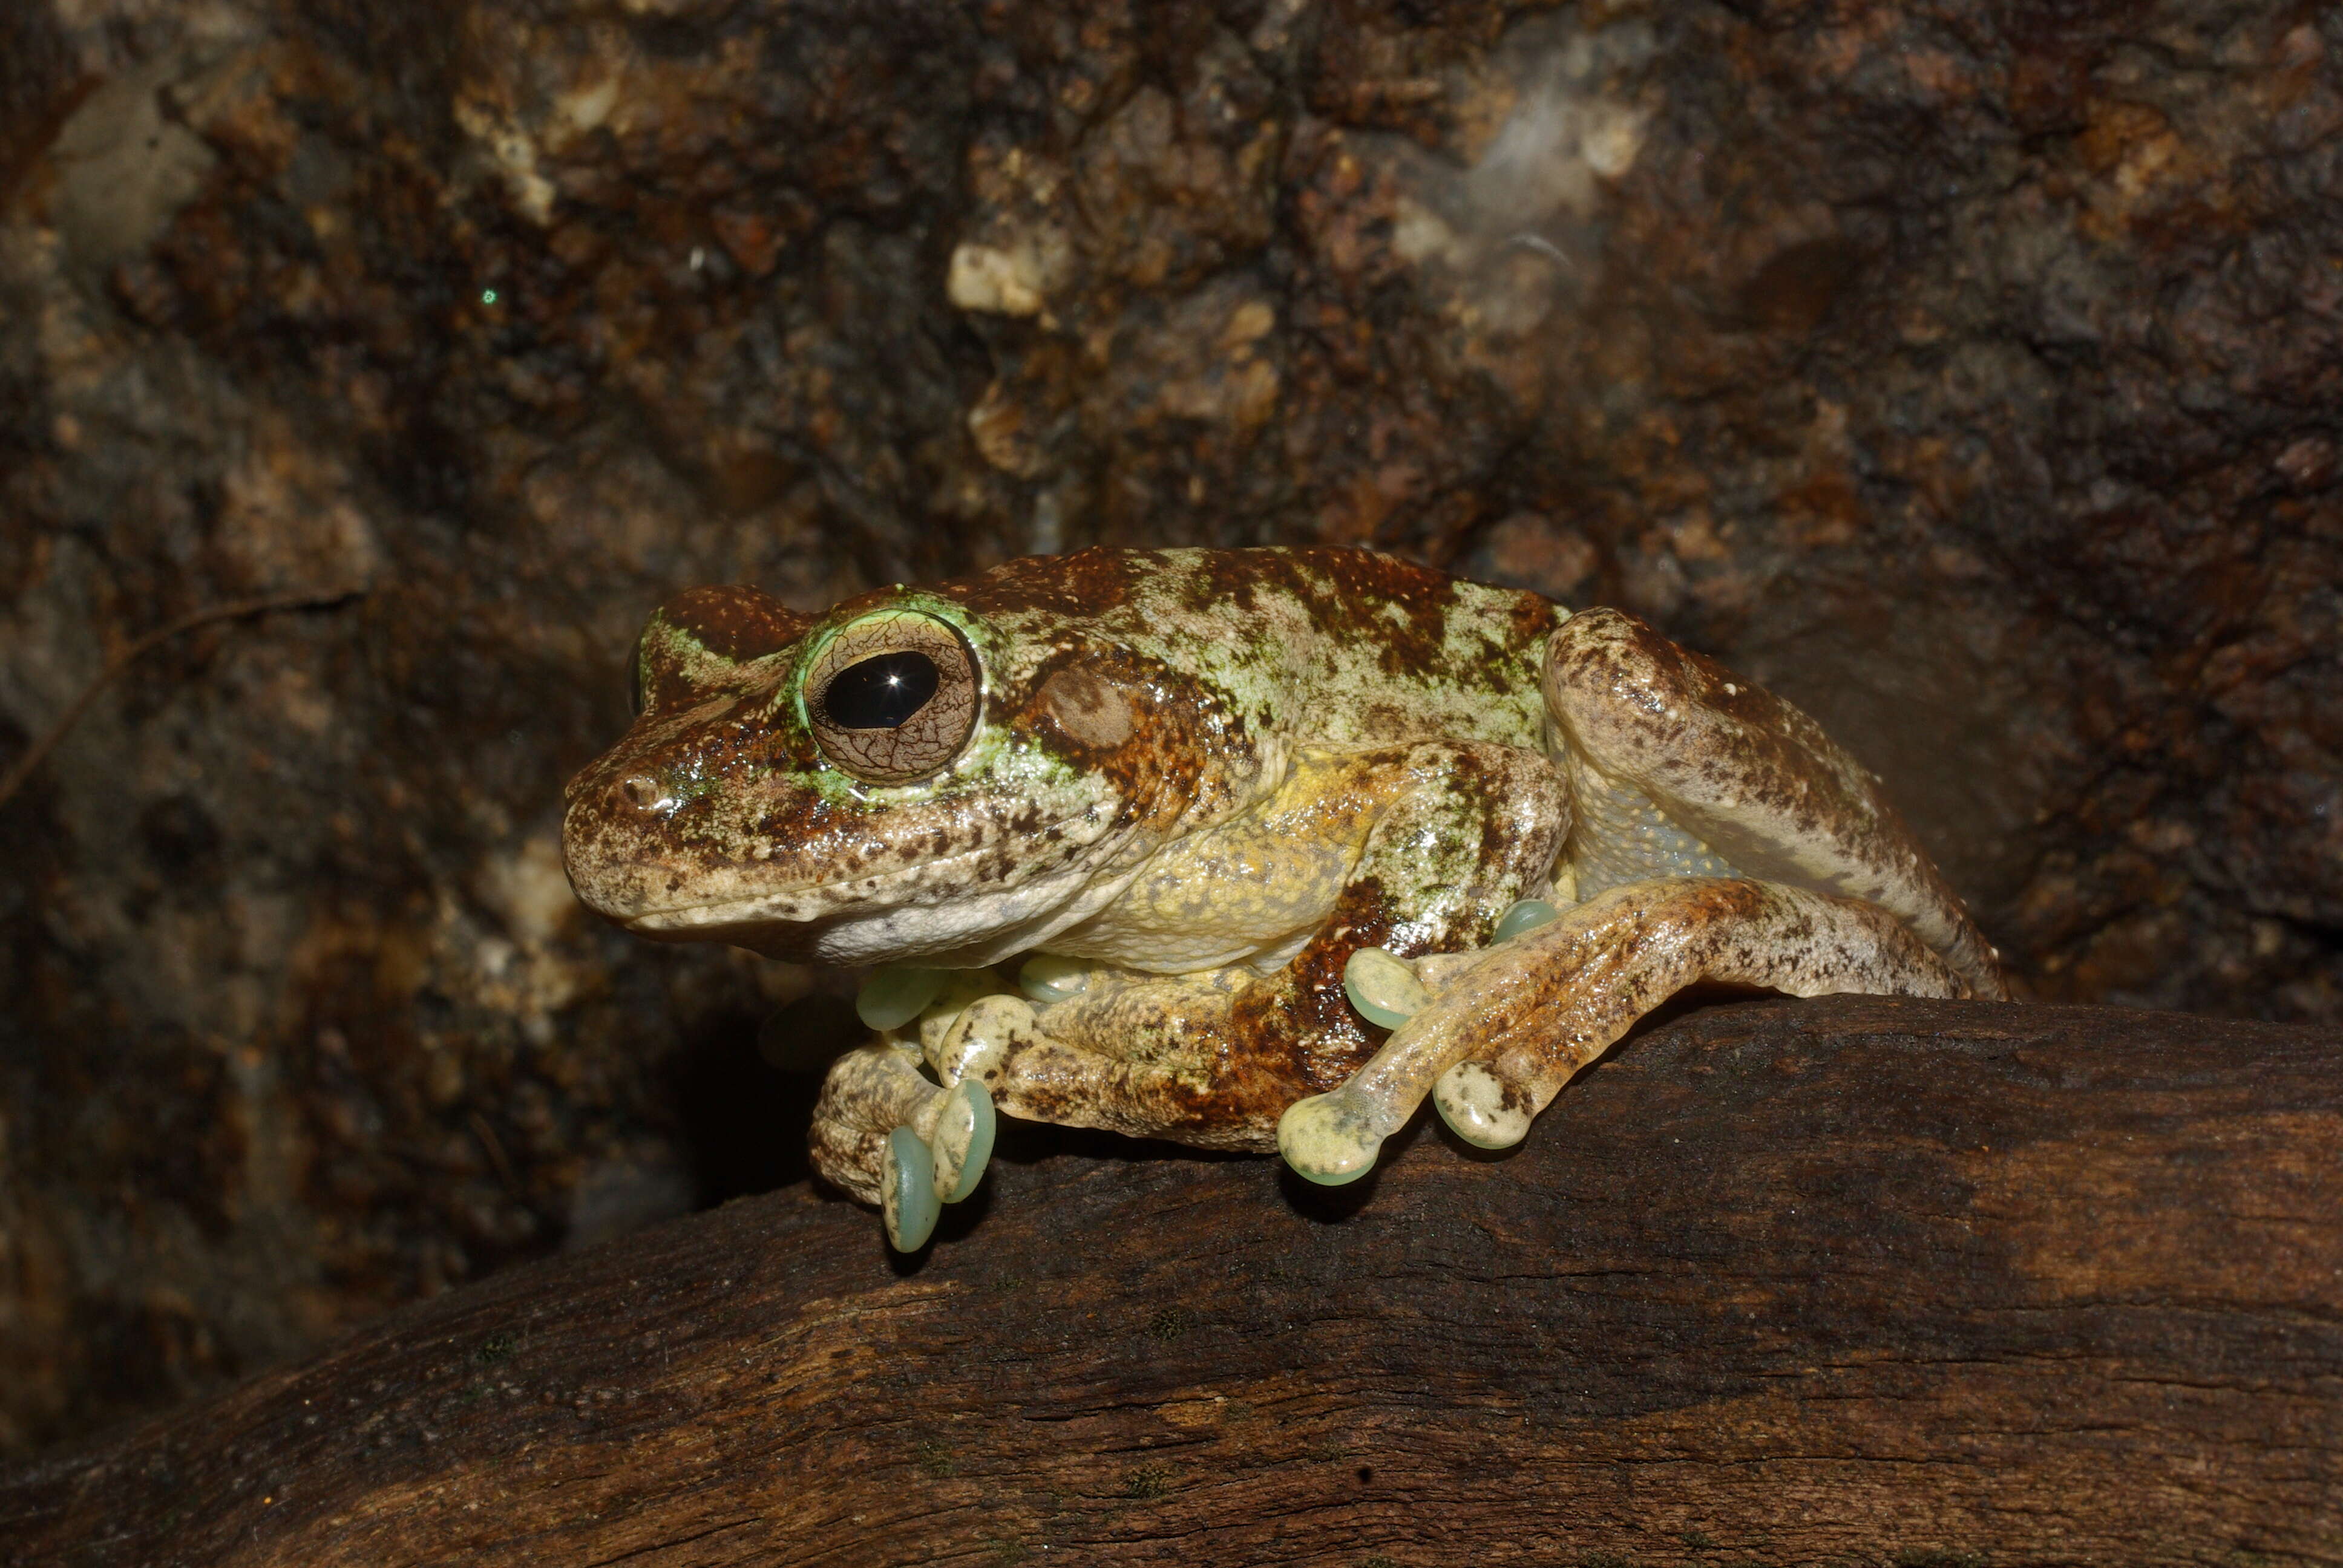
892 696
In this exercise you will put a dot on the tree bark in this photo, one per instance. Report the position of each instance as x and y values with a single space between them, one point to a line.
1860 1280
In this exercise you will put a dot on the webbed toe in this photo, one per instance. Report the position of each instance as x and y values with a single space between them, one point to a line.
908 1191
1473 1102
961 1144
1330 1138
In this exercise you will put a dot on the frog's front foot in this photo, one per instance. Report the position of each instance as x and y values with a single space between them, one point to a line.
919 1172
911 1141
890 1136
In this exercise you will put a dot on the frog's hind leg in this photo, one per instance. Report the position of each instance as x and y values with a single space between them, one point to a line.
1505 1030
1680 767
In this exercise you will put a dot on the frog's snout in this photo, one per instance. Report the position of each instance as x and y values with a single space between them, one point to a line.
624 795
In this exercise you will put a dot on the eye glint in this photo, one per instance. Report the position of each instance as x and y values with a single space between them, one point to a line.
881 693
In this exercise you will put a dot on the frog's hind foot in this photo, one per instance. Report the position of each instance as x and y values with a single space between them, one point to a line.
1506 1030
1481 1108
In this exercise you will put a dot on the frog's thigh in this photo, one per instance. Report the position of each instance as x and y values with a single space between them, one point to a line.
1745 773
1506 1034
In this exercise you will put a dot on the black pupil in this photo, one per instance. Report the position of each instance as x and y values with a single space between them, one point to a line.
881 693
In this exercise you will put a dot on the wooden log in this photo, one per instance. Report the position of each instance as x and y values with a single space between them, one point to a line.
1862 1280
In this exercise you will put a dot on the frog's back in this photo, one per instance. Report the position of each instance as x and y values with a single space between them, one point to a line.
1334 647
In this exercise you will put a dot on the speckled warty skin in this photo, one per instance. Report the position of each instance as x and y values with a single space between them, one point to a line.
1195 783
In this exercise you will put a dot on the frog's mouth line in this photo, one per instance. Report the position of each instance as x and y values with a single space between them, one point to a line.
817 901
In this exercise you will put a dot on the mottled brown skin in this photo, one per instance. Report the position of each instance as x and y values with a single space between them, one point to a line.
1203 780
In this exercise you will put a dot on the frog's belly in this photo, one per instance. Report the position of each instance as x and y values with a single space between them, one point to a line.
1211 905
1619 834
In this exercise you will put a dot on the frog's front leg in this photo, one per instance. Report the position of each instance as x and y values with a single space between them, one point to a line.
886 1133
891 1136
1141 1061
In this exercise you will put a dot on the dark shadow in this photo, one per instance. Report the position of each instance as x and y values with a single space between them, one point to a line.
902 1265
1020 1142
744 1120
1329 1205
804 1037
1695 999
1692 998
960 1218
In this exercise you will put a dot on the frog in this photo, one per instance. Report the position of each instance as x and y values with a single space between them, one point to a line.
1250 849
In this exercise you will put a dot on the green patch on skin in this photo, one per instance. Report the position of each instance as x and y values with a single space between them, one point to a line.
1167 1325
1147 1482
996 761
495 1348
666 650
936 1458
697 783
662 647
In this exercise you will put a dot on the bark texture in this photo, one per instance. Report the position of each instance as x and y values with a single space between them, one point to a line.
1971 374
1859 1280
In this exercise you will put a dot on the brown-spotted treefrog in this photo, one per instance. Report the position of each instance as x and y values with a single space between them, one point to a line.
1282 841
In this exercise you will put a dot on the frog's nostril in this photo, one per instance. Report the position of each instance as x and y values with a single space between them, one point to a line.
642 791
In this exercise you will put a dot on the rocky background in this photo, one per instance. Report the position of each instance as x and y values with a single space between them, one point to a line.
1972 374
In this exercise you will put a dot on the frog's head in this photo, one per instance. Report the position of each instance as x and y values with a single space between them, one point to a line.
900 778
